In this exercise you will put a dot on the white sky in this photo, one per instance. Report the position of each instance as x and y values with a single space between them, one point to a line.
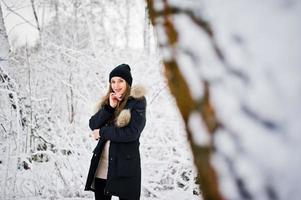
21 26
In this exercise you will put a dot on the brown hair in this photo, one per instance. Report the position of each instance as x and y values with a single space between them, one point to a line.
120 106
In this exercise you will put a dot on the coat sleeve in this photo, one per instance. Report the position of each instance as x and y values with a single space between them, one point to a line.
130 132
101 117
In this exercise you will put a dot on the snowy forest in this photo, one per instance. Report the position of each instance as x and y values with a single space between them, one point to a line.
223 95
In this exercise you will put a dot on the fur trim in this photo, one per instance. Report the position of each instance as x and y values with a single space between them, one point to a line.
123 118
97 106
138 91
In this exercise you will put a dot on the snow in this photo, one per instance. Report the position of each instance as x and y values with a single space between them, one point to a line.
198 130
203 62
255 90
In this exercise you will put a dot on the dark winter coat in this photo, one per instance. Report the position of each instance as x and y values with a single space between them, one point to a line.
124 170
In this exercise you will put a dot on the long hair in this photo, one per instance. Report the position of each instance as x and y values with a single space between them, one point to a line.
120 105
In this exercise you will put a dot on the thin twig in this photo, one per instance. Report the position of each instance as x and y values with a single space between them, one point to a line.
35 15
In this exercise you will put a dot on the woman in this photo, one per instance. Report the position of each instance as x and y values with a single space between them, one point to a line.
115 166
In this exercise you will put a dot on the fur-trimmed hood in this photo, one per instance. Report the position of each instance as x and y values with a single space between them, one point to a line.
137 91
124 117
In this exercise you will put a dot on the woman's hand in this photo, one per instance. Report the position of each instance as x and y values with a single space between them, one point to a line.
95 134
114 99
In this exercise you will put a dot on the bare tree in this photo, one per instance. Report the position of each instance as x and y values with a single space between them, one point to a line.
10 115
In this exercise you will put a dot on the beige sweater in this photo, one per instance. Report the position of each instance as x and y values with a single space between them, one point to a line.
102 169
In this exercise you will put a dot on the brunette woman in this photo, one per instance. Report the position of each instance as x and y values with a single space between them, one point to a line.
115 167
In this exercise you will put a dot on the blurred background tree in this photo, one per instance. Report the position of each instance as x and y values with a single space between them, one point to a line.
232 70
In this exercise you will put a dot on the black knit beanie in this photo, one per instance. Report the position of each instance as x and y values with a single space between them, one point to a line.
123 71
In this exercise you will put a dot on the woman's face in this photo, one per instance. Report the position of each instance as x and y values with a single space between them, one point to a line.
118 85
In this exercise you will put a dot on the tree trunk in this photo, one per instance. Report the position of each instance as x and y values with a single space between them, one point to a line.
188 106
146 32
3 41
127 23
